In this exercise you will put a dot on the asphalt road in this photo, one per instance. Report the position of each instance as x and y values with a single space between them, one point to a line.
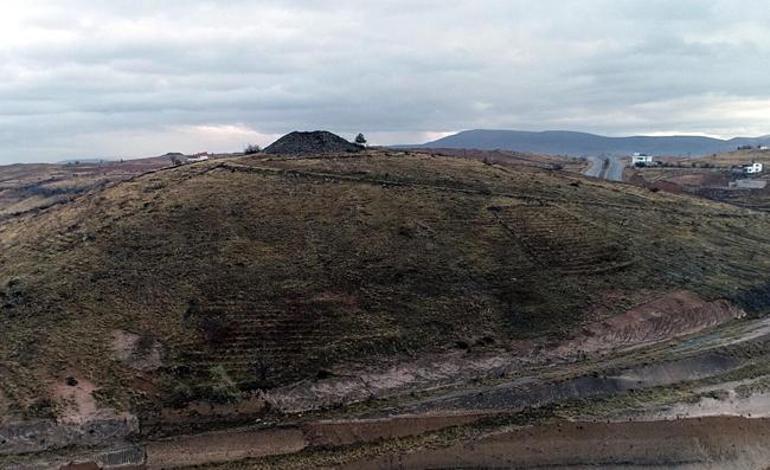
596 168
610 168
615 170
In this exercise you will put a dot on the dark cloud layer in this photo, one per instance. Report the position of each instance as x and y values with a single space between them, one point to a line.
128 78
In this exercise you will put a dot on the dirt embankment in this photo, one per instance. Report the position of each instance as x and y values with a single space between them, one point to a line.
532 392
674 315
253 443
242 444
731 404
709 443
138 352
362 385
81 422
223 447
46 435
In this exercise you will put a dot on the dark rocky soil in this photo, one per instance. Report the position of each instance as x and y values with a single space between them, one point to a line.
310 143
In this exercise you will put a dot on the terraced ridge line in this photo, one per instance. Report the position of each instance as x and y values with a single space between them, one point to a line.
466 190
257 332
560 240
666 266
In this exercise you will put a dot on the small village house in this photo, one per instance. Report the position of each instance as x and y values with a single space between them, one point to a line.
641 159
753 169
198 157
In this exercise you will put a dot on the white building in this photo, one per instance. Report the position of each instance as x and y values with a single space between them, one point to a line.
641 159
200 157
754 168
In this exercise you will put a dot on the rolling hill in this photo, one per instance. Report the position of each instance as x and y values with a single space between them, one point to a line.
210 284
579 143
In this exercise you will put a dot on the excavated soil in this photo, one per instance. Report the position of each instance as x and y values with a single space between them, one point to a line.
527 392
200 411
76 400
223 447
341 433
361 385
227 446
754 406
709 443
452 410
674 315
138 352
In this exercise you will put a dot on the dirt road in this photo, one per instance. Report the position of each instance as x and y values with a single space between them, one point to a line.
610 168
615 170
596 169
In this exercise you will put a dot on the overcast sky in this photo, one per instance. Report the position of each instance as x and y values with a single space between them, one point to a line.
134 78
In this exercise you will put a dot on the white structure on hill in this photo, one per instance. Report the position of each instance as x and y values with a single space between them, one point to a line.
641 159
753 169
199 157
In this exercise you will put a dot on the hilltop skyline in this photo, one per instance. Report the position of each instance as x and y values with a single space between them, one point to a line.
131 79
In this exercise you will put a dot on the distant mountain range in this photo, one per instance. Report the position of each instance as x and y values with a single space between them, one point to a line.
580 143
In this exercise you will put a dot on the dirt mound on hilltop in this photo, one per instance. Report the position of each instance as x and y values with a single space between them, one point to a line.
316 142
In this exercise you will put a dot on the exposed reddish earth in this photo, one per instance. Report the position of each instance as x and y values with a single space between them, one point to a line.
670 316
238 445
708 443
673 315
223 447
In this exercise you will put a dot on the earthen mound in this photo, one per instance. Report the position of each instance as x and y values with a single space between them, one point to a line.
308 143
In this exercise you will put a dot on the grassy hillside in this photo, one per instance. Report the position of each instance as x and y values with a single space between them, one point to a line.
734 158
254 272
30 187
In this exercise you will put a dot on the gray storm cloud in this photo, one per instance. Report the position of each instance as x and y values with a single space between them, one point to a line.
136 78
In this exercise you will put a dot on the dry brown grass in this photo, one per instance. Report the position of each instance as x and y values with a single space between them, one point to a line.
254 272
738 157
30 187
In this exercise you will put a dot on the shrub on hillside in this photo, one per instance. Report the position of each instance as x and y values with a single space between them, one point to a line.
220 388
213 385
252 149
